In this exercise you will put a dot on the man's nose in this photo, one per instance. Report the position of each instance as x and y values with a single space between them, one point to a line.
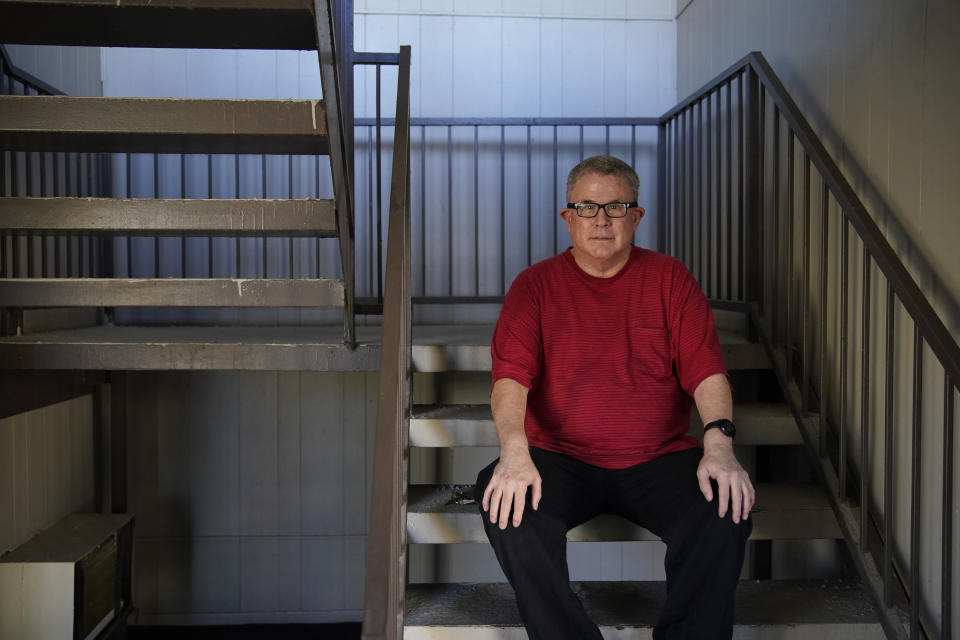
602 218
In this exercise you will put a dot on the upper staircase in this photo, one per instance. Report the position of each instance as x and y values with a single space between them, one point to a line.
56 123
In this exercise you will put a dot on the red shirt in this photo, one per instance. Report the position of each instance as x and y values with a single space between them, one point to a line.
611 363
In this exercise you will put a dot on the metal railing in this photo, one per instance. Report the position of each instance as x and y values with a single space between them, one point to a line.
759 211
386 545
485 195
41 174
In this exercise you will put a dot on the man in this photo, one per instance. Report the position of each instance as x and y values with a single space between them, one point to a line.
596 355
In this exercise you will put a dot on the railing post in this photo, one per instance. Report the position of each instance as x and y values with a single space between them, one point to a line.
386 548
662 213
752 260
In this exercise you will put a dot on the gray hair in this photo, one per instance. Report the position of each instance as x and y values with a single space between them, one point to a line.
605 166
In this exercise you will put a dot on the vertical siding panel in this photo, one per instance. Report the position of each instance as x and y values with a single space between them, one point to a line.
214 456
22 495
37 466
257 395
289 435
144 455
321 422
354 480
8 486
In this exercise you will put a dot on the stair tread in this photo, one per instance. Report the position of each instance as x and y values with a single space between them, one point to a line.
637 604
472 425
162 125
782 511
168 348
467 348
171 292
147 216
218 24
303 348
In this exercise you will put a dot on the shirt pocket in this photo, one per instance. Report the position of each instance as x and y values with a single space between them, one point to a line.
650 352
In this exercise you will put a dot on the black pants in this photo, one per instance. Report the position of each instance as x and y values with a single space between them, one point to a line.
704 552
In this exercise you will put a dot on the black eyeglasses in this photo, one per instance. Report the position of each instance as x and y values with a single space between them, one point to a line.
591 209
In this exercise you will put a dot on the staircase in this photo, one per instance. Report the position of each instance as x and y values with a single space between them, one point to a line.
452 367
46 123
751 201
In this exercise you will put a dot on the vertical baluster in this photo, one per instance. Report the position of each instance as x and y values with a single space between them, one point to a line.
761 176
183 194
555 218
822 333
290 195
423 208
888 462
449 210
581 143
946 537
606 140
689 197
788 268
777 285
707 230
210 195
844 304
675 211
804 295
662 181
530 193
263 194
156 194
503 205
915 462
729 175
702 194
129 179
683 189
238 266
476 210
696 209
371 216
865 404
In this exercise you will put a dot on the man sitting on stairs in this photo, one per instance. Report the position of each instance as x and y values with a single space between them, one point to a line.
596 356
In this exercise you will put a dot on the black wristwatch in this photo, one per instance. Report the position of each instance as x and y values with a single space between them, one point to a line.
725 426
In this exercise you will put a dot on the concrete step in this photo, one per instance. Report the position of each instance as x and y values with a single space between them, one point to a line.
437 514
216 24
467 348
469 425
162 125
149 217
170 292
771 610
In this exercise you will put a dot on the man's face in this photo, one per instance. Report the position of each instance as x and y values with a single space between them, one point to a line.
601 244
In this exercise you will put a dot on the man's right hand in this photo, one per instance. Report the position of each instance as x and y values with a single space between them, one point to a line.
512 477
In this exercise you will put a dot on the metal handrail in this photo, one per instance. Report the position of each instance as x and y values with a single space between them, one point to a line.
933 330
25 78
701 161
386 550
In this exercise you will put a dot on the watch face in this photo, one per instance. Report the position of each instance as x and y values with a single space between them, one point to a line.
724 425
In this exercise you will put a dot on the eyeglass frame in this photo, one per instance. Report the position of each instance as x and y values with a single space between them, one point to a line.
629 205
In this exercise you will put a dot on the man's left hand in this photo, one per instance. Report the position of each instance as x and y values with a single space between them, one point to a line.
734 486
